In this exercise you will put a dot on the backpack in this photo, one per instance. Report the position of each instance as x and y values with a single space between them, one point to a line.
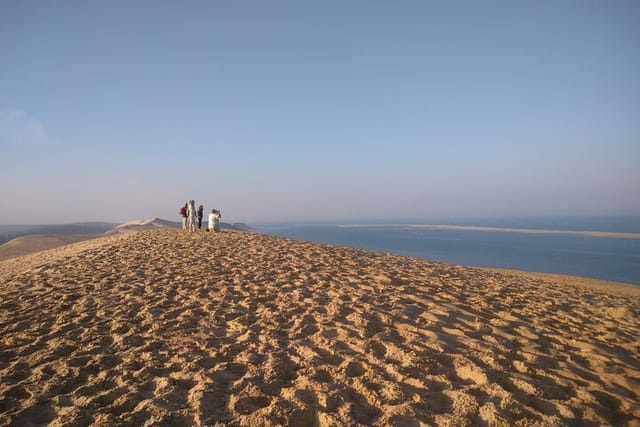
183 211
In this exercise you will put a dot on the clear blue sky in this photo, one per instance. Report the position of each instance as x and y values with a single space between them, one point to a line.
326 110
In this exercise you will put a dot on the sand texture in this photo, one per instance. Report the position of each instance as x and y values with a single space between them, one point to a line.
170 328
25 245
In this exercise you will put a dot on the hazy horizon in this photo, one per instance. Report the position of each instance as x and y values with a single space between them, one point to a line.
615 223
284 112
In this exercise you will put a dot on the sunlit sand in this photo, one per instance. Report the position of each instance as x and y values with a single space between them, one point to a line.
165 327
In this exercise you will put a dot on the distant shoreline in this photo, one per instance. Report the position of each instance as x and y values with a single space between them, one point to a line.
605 234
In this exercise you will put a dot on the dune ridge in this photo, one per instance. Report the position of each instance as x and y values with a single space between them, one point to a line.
143 225
164 327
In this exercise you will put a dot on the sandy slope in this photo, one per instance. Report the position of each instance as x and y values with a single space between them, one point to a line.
170 328
24 245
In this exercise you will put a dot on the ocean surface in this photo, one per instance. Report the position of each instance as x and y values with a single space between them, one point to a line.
614 259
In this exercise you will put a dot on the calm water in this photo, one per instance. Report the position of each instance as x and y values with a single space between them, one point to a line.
600 258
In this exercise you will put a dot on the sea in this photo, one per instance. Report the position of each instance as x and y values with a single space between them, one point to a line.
606 258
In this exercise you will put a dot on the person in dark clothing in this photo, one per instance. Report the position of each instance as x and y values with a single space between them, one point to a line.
200 211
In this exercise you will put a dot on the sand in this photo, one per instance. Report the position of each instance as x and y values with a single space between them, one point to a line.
170 328
25 245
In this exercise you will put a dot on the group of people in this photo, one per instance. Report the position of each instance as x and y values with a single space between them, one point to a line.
190 215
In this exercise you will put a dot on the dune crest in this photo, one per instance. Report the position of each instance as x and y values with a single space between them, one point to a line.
164 327
143 225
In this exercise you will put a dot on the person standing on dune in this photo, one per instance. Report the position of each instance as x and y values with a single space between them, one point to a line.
192 216
183 214
200 213
214 220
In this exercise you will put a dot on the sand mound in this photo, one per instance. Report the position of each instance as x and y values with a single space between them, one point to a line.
169 328
144 225
24 245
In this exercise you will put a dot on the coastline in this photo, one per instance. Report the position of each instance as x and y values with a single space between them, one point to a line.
569 280
32 244
603 234
609 259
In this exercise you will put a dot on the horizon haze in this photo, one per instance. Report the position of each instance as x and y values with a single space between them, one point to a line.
332 111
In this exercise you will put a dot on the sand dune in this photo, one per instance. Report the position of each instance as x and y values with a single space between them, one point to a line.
144 225
24 245
165 327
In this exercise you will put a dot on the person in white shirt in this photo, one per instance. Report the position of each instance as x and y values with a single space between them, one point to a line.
214 220
191 209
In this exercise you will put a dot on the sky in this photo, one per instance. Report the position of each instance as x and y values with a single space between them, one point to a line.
276 111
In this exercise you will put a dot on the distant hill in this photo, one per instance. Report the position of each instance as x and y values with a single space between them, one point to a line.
240 226
143 224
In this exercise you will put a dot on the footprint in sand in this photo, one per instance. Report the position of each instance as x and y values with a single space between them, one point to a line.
248 405
354 369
